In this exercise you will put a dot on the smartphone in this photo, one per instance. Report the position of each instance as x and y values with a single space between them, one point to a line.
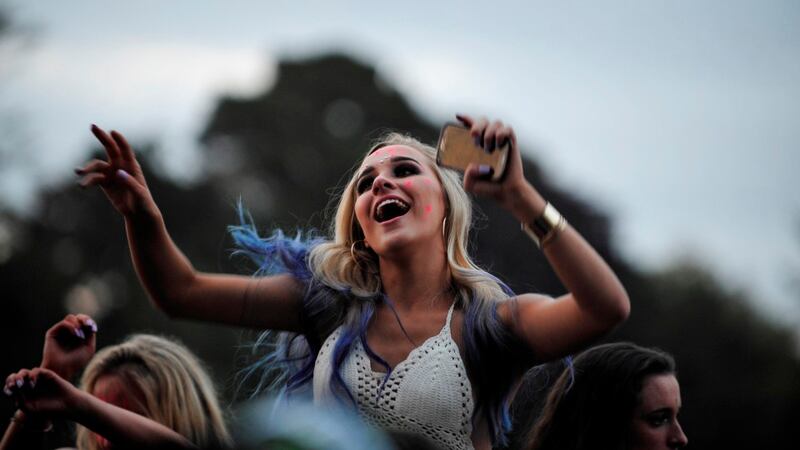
457 150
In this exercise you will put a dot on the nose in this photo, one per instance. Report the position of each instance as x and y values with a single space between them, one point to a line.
382 182
677 438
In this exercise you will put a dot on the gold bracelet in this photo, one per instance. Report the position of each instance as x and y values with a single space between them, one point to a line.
545 227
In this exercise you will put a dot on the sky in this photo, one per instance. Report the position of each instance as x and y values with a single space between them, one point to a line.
677 118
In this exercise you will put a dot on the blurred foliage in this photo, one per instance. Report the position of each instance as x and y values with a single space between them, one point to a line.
285 153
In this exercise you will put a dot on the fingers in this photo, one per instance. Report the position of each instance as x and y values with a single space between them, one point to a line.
93 179
490 141
489 135
478 129
95 165
17 382
125 149
476 181
74 328
94 172
505 135
87 322
465 119
113 152
481 130
131 183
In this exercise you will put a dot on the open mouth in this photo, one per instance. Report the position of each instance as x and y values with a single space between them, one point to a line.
390 208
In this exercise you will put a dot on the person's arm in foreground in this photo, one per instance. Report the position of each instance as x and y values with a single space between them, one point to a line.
596 300
68 346
42 393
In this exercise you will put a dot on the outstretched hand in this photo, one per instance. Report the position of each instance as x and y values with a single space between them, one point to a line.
120 175
492 135
69 345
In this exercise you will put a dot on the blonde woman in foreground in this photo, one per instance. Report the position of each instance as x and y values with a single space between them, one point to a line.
388 313
147 392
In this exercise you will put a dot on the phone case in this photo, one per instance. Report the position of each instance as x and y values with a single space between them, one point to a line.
457 150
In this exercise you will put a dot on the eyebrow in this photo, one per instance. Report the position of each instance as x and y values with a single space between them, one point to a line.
665 409
393 159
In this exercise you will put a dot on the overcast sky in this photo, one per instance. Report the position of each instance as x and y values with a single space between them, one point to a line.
679 118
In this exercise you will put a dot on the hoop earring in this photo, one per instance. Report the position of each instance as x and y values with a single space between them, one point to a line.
444 226
352 250
358 259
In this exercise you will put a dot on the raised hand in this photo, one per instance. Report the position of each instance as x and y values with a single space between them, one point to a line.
69 345
42 393
491 135
120 175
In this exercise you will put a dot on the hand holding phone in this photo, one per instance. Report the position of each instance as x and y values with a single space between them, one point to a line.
457 150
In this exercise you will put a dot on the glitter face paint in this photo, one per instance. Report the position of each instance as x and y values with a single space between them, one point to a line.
409 177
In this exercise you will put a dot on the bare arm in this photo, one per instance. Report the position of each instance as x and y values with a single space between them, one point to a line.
596 301
22 434
42 393
171 281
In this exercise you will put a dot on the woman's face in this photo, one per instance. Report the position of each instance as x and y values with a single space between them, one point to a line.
111 389
399 201
655 419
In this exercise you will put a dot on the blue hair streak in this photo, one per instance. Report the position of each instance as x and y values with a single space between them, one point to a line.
496 359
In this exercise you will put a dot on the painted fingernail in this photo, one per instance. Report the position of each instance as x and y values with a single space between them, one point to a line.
79 170
483 169
19 383
477 140
80 334
92 324
122 174
7 391
32 383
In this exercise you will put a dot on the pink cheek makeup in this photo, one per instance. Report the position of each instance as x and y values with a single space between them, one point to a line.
428 209
407 183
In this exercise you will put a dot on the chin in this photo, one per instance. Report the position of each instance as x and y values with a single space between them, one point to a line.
402 241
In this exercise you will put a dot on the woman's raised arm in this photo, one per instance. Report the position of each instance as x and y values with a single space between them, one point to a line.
596 301
171 281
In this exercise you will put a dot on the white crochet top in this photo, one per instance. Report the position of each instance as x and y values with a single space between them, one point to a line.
428 393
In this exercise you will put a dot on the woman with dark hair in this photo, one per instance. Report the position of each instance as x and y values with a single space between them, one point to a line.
616 396
389 313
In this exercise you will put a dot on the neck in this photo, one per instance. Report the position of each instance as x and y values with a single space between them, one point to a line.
417 279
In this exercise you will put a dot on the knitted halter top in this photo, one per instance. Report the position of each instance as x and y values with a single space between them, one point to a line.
428 393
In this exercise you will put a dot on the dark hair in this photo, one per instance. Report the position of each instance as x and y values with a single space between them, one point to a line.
593 410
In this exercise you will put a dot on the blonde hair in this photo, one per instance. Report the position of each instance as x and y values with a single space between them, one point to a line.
345 287
335 265
176 390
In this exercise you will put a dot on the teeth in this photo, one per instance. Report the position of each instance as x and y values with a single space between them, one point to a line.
381 205
392 200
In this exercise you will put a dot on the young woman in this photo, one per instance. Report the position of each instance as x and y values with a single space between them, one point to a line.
147 392
390 313
619 397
